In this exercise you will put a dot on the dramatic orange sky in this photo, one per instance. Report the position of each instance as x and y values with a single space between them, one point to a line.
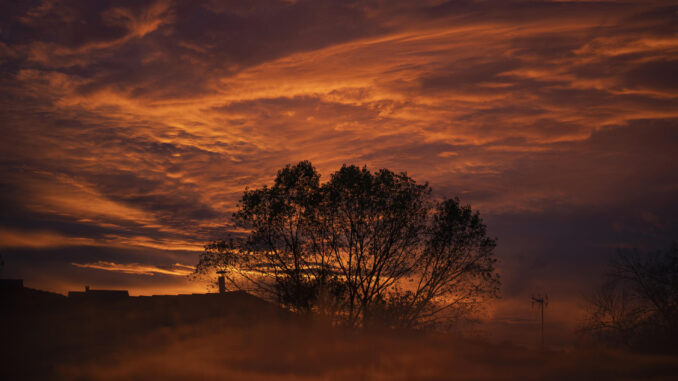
130 128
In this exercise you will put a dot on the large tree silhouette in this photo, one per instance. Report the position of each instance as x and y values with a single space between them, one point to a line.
373 246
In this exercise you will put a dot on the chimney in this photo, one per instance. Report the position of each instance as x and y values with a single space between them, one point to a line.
222 282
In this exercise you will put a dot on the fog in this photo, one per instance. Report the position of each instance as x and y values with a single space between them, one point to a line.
239 337
295 351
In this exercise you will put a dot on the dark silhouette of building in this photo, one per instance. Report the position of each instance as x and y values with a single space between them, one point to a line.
90 322
11 284
98 294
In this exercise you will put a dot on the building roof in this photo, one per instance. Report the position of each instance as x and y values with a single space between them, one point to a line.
98 294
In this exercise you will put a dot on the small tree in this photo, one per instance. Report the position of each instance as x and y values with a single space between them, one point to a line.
637 306
374 246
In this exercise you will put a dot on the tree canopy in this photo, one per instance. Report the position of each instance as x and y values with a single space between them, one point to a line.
367 246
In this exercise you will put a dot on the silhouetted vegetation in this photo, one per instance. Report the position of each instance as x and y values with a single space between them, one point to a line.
364 247
637 306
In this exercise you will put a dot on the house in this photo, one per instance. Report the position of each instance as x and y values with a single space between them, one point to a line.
90 294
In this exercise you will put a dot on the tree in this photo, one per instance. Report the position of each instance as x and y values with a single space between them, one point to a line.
637 306
374 225
457 264
376 244
282 224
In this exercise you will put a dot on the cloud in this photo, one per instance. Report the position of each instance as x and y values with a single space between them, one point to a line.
40 239
177 269
137 125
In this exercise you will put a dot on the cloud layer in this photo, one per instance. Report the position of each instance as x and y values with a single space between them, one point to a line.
137 125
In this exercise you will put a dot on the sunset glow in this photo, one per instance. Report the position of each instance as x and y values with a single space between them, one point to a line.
130 130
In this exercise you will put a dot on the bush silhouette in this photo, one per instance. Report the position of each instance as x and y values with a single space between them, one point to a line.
637 306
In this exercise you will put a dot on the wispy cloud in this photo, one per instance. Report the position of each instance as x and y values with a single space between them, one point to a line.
141 124
177 269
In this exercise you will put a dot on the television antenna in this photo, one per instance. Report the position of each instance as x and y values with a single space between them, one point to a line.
542 301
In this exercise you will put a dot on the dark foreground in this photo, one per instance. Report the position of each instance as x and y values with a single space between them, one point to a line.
180 339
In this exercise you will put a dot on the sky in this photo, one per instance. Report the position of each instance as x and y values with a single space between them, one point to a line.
131 128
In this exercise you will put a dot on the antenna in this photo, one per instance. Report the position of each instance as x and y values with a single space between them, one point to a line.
543 301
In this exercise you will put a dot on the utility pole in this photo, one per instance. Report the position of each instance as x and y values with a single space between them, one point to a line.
543 301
